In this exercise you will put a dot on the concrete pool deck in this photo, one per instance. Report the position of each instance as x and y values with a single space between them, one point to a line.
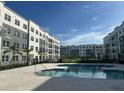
24 79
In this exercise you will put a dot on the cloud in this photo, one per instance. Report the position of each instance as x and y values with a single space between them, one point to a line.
96 27
70 34
89 38
73 30
111 28
46 28
95 18
62 35
100 9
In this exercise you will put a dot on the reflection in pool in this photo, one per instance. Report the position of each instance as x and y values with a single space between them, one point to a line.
83 71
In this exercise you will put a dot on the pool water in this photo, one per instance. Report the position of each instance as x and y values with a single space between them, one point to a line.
83 71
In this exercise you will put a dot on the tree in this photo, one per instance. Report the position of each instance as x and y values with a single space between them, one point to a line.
27 50
14 51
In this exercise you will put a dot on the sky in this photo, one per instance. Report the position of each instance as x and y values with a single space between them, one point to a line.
73 23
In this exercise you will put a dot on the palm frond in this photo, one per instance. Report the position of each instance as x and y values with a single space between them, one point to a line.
13 47
28 50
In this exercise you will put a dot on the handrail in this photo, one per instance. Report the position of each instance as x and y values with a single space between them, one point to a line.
43 66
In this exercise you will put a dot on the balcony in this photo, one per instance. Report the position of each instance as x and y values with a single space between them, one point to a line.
4 34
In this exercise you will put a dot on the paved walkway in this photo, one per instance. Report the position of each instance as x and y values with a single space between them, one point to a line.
24 79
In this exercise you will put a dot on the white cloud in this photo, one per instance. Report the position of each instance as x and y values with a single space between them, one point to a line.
62 35
112 28
46 28
70 34
95 18
96 27
89 38
73 30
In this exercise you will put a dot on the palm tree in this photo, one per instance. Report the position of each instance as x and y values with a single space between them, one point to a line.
14 51
27 50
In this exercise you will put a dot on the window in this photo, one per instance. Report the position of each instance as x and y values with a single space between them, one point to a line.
23 46
36 40
24 36
36 48
4 43
43 36
17 33
8 43
5 58
16 58
36 32
120 32
40 34
17 22
32 29
7 17
36 58
8 30
43 42
25 26
23 58
32 38
17 45
32 47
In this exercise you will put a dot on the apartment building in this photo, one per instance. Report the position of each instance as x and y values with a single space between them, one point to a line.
17 30
82 50
13 30
114 44
64 51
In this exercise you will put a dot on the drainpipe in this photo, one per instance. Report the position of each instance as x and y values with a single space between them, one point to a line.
28 41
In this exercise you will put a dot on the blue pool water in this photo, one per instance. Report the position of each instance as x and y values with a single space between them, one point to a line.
83 71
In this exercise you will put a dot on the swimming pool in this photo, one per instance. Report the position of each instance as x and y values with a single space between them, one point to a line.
83 71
